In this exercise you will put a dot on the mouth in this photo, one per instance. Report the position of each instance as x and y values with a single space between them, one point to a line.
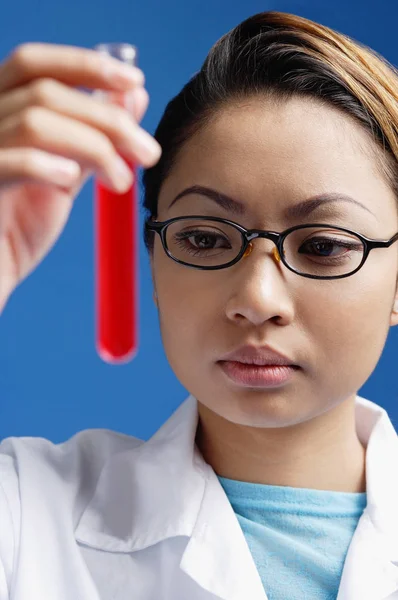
261 376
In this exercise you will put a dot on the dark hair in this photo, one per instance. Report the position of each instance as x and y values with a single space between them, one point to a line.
281 55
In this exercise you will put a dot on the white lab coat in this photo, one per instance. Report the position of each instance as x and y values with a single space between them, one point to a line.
105 516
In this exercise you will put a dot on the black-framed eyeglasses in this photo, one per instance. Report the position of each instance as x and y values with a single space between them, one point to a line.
317 250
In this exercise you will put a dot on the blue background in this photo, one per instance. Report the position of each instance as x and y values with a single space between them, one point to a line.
52 383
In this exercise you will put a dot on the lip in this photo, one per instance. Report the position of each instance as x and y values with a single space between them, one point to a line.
260 356
249 375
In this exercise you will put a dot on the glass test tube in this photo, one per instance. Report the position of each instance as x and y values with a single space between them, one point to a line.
116 250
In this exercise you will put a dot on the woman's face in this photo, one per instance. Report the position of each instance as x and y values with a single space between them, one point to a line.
270 156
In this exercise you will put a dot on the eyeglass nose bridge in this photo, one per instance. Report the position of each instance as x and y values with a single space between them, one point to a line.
269 235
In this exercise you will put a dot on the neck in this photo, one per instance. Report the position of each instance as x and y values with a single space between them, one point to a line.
324 453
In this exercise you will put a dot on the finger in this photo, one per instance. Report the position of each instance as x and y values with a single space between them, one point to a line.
137 102
91 109
131 99
112 120
41 128
70 64
18 165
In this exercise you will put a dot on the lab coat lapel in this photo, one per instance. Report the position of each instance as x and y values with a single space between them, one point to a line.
217 556
150 493
164 489
370 571
371 566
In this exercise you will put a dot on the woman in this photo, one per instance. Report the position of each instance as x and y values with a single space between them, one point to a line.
272 221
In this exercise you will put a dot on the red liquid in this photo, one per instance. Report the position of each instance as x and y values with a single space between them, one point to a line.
116 273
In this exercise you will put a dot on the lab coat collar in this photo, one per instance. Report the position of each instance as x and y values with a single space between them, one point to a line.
164 488
151 492
371 565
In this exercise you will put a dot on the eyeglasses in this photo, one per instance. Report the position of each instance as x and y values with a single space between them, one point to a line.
317 251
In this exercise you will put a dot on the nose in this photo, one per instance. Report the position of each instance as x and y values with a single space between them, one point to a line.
259 291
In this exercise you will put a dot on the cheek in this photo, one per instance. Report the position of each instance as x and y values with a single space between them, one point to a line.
349 325
187 304
187 319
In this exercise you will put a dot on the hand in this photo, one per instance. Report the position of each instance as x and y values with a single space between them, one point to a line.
53 137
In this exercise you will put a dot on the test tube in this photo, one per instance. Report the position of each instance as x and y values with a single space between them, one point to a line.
116 249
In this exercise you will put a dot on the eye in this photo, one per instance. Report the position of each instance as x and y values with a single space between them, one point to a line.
323 247
201 240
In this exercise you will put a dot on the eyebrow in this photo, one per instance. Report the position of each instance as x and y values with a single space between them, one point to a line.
296 211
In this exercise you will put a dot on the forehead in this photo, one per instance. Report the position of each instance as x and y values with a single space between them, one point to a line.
261 151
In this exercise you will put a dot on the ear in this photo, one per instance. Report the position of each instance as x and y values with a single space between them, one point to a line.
394 312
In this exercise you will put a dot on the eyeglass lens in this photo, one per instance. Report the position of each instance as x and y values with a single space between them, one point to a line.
321 251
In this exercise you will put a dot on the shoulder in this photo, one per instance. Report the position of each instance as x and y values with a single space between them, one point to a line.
91 446
81 457
35 472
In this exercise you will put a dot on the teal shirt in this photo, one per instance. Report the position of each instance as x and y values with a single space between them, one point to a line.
298 537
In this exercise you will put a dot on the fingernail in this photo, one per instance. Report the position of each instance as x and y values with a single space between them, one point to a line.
123 177
149 148
65 170
121 73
